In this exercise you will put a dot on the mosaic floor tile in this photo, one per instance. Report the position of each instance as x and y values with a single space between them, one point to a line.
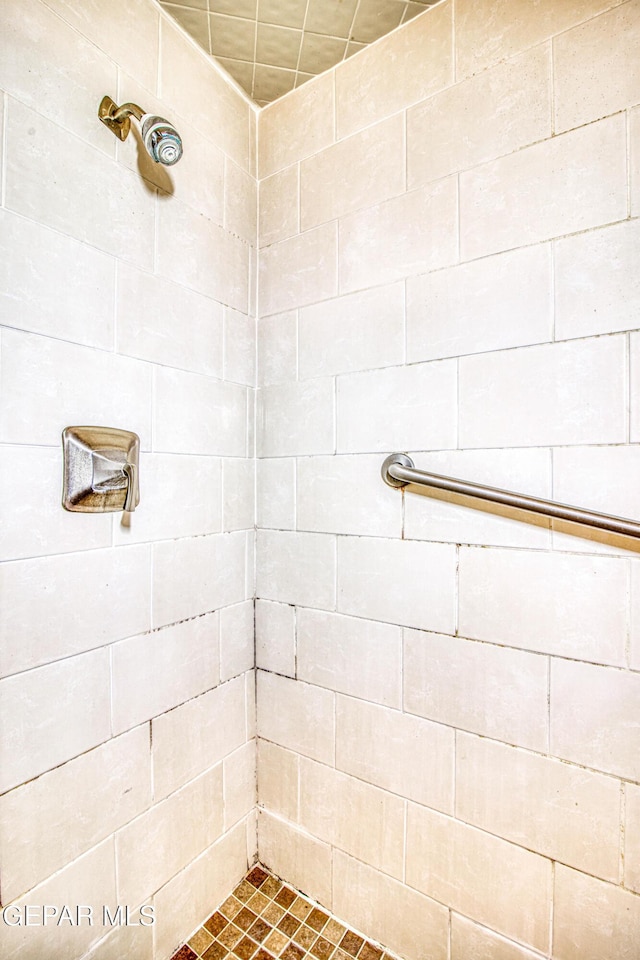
266 919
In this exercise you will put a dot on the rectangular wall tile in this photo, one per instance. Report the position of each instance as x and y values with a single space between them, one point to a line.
300 270
296 418
296 568
194 414
238 498
306 725
296 127
454 864
236 639
491 304
399 581
380 746
555 603
358 657
399 238
563 812
593 717
632 837
565 393
634 160
276 493
239 347
563 185
305 861
240 202
278 774
277 348
278 209
469 939
276 637
490 115
240 784
593 919
488 690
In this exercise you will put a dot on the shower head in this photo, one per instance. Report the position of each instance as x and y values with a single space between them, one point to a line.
161 139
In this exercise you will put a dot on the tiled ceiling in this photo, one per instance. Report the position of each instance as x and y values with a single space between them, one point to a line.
272 46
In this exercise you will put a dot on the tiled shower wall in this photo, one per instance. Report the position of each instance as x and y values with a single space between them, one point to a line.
448 697
126 708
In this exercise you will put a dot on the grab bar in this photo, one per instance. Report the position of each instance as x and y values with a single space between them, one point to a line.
398 470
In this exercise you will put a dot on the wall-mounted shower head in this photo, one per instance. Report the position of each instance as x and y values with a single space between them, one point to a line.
161 139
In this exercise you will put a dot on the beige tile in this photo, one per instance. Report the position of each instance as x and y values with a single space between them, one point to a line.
400 238
389 911
380 746
430 515
319 53
278 780
276 637
634 625
296 127
573 182
195 22
409 407
150 850
239 347
373 20
196 575
593 919
240 784
241 202
236 639
288 13
353 816
242 73
276 491
490 304
405 67
277 348
157 671
488 690
198 415
556 603
595 68
305 861
197 735
235 36
126 940
296 568
372 169
593 717
48 385
358 657
296 418
564 393
57 606
634 376
305 725
564 812
51 714
42 831
469 940
482 40
455 864
33 258
279 206
336 336
168 324
344 494
300 270
634 160
271 83
632 837
399 581
488 116
238 493
278 45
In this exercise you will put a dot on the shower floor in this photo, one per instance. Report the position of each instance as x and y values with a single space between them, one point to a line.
265 918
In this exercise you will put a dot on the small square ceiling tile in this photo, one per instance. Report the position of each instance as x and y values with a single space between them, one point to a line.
331 17
320 53
195 22
374 19
235 8
284 13
353 47
413 9
278 46
232 37
303 77
272 82
240 70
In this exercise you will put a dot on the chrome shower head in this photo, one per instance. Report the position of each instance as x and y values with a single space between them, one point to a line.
161 139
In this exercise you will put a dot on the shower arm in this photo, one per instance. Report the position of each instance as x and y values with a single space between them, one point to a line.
118 119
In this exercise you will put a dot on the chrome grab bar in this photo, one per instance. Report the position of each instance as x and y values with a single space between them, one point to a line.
398 470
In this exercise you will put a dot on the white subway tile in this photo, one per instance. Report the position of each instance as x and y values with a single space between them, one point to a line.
290 853
563 185
634 387
399 581
561 393
240 202
277 348
358 657
32 261
456 864
194 414
593 919
276 637
58 606
338 336
563 812
239 348
594 717
490 115
278 780
276 493
469 939
296 568
563 604
238 493
278 208
157 671
296 127
51 714
632 837
240 784
302 269
380 746
307 724
236 639
42 831
197 735
490 304
296 418
403 68
492 691
195 575
400 238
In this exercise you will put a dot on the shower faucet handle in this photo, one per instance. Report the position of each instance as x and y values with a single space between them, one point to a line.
101 467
